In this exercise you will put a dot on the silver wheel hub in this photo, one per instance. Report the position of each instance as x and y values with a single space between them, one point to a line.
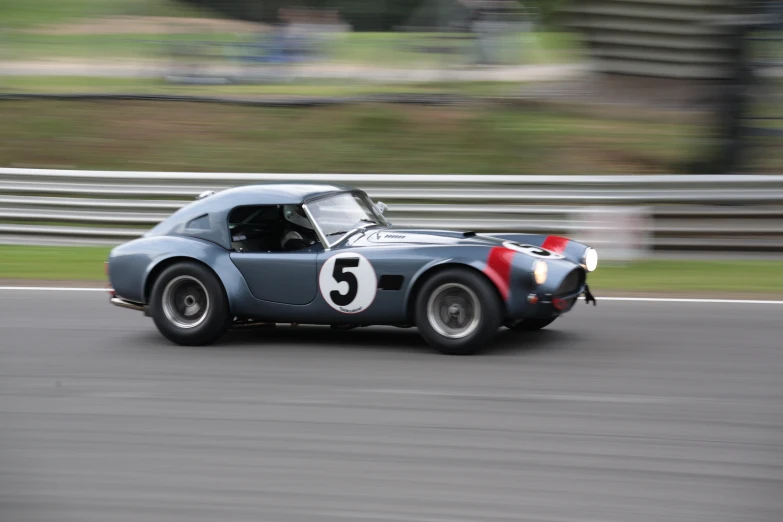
453 310
185 302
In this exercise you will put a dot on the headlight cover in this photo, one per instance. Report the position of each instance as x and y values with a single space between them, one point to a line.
591 259
540 272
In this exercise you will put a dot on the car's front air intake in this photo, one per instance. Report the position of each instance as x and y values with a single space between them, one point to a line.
572 283
566 295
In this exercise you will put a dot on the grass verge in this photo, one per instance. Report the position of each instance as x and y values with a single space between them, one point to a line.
747 278
691 277
379 138
52 263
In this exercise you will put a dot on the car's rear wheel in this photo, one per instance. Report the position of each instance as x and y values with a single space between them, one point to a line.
189 305
457 311
530 325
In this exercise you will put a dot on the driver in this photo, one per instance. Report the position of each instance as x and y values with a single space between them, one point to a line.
298 232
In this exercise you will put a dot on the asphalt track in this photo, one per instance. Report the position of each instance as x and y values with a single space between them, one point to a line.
624 412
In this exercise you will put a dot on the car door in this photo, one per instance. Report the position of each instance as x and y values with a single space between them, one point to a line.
280 277
273 275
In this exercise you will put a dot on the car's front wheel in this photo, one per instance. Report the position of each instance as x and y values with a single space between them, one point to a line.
457 311
189 305
530 325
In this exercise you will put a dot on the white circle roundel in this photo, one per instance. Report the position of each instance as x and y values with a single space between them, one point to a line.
532 250
348 282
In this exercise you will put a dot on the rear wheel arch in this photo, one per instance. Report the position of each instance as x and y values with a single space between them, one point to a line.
188 303
162 265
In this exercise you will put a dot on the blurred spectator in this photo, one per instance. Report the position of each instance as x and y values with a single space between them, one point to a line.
490 23
281 36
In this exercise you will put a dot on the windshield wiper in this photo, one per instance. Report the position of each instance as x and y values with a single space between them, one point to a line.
373 223
369 222
340 232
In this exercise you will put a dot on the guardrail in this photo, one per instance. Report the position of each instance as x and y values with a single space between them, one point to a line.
687 213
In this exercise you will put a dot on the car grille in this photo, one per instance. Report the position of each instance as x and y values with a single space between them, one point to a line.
564 297
572 283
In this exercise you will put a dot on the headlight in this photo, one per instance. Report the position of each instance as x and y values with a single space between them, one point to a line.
591 259
540 272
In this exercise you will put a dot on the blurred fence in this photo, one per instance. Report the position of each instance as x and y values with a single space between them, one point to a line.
683 213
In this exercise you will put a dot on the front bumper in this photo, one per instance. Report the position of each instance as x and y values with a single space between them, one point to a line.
544 306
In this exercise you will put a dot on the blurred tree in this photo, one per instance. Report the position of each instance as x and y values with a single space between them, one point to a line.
377 15
363 15
548 12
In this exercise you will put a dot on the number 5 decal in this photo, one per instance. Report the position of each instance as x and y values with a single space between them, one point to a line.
348 282
339 275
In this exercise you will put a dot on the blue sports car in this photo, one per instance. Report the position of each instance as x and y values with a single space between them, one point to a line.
325 254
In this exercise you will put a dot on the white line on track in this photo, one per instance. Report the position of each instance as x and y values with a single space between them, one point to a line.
54 289
687 300
640 299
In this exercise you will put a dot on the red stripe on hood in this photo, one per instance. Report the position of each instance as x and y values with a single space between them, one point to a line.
555 244
498 269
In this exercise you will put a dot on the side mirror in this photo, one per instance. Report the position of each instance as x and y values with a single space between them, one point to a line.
381 207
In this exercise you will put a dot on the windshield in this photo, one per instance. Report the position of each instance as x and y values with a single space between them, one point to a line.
338 215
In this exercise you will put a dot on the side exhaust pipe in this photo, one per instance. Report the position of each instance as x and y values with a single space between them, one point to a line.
116 301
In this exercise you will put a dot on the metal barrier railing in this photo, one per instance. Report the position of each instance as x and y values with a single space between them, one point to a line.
685 213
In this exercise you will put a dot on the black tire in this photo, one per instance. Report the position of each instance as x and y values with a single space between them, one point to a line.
189 283
530 325
445 298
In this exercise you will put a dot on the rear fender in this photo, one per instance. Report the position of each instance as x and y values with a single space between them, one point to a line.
134 263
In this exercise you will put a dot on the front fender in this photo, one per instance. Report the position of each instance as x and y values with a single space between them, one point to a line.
479 265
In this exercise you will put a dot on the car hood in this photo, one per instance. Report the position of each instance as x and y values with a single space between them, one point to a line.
529 246
418 237
559 265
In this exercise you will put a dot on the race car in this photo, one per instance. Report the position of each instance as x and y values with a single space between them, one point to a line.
324 254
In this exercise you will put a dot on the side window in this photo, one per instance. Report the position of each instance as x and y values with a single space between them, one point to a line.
299 232
256 228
